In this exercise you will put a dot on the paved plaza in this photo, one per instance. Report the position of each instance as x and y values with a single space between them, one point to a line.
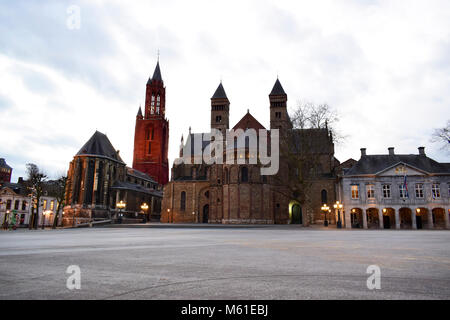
284 262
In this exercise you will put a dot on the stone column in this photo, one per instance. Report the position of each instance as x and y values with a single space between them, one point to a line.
397 219
364 217
380 218
430 218
446 219
413 219
348 220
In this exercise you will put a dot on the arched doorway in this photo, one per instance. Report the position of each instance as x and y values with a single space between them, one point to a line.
356 218
296 214
405 218
389 218
421 218
373 220
205 216
438 218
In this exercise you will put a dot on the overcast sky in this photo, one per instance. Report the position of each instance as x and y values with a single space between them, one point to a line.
383 65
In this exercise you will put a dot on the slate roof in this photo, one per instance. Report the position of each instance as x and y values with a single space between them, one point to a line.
140 174
99 145
373 164
139 114
3 164
156 75
220 93
277 89
135 187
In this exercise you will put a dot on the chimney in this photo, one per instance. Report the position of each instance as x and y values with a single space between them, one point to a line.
391 151
422 151
363 152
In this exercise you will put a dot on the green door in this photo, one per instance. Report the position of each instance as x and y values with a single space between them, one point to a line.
296 214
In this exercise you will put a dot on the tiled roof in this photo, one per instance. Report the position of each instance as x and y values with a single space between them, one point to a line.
99 145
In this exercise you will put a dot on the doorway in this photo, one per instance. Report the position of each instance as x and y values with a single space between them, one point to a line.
387 222
419 222
297 214
205 214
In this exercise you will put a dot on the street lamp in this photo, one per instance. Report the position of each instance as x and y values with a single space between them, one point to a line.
338 206
121 205
325 209
144 208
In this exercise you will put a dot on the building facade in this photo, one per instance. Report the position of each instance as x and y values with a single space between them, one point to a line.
15 199
396 191
238 193
151 137
98 180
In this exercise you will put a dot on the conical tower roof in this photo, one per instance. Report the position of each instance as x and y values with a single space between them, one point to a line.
220 93
277 89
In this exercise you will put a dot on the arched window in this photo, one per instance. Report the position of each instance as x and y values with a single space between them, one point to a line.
324 196
225 176
158 104
152 106
244 174
183 201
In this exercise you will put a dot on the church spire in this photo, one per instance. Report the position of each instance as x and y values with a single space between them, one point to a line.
139 114
220 92
156 74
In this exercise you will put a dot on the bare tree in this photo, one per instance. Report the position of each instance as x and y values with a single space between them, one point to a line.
442 135
36 180
308 115
59 191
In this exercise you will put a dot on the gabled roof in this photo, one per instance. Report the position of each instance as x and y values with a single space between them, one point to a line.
99 145
156 75
248 122
277 89
220 93
374 164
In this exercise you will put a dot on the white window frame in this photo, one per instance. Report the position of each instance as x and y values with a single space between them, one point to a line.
403 193
418 188
354 191
436 190
386 188
370 191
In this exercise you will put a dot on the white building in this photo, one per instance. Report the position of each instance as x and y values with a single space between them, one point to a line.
396 191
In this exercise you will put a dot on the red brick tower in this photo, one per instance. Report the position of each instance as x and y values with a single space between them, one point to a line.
151 137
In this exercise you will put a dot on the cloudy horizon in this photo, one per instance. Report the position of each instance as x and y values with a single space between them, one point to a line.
384 66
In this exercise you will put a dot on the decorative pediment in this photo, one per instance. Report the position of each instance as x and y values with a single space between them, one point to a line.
401 169
7 191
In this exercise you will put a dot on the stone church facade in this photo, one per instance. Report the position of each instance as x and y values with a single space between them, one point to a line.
238 193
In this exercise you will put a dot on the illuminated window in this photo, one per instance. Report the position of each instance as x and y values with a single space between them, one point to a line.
355 192
52 205
370 191
436 190
419 190
44 206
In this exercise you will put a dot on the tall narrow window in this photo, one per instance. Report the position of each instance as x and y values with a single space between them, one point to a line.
24 205
244 174
370 191
402 191
149 151
152 105
419 190
324 196
386 191
355 192
183 201
436 190
158 104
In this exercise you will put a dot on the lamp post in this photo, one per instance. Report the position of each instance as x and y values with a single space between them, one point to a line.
121 205
144 208
338 206
325 209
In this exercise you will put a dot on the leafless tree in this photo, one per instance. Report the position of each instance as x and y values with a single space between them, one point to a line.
59 191
36 181
442 135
